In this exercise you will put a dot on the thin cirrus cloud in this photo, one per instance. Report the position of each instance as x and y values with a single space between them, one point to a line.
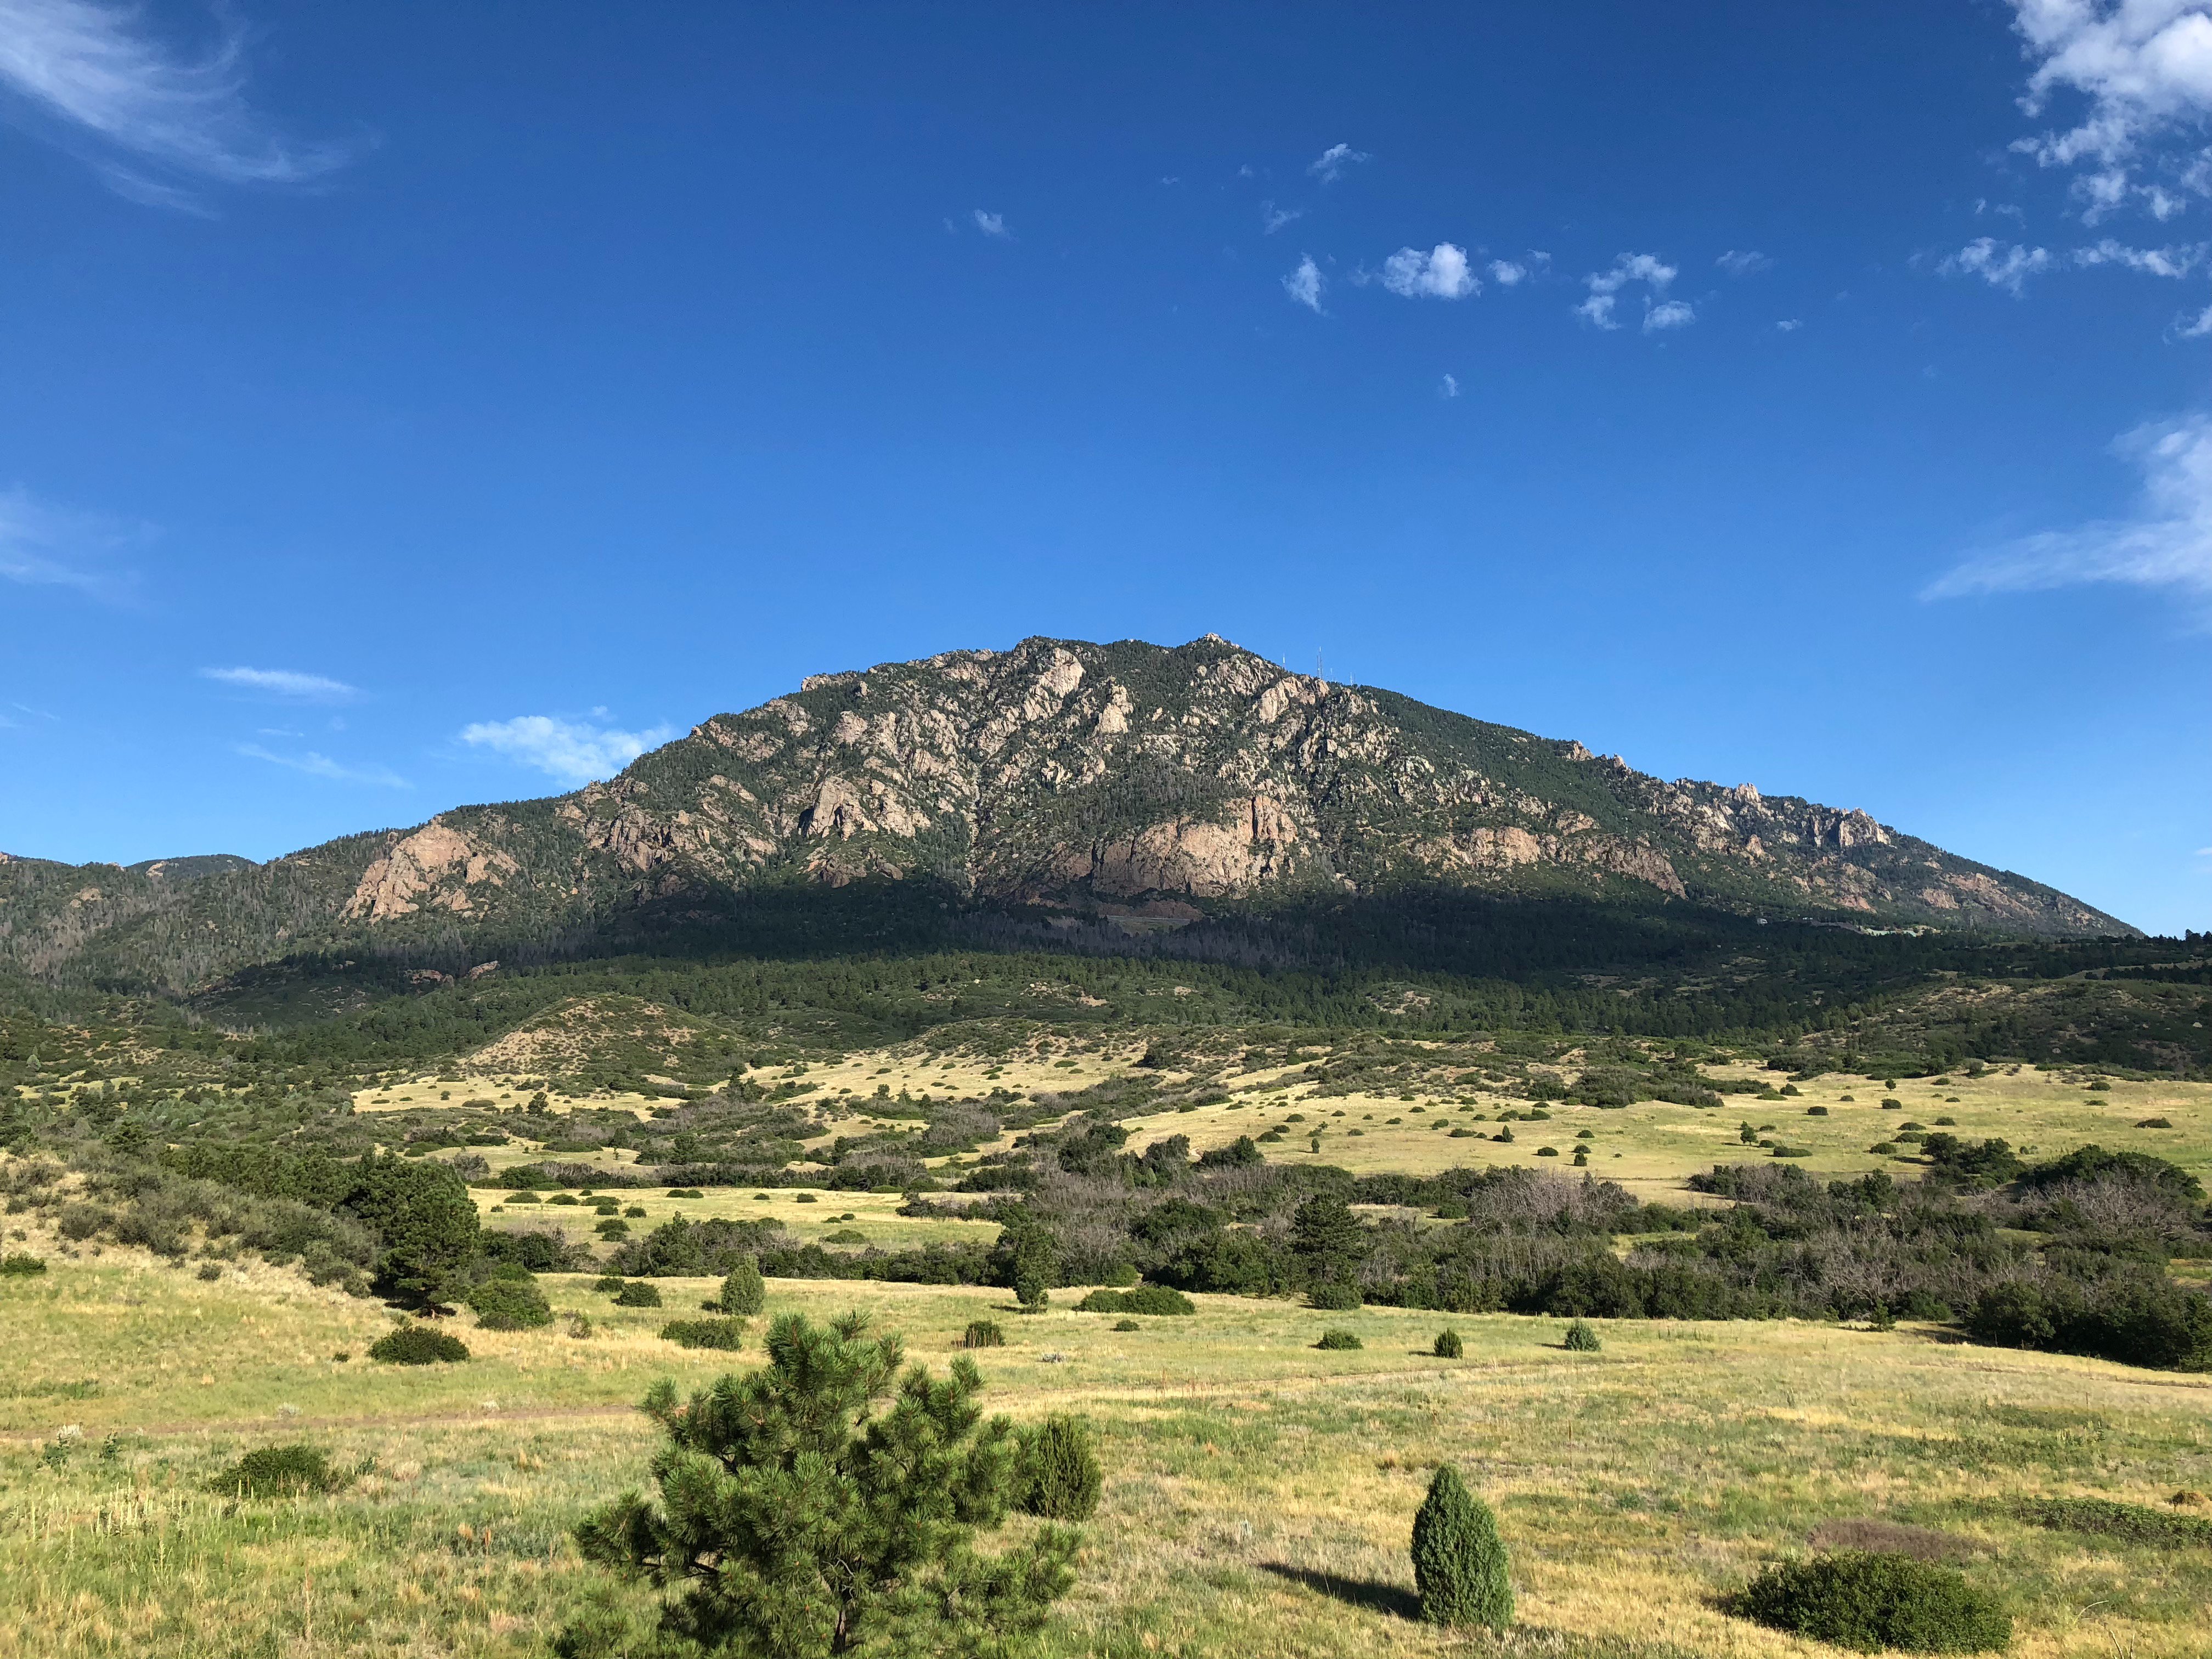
1744 262
574 751
2175 262
2167 543
1305 284
285 683
1442 273
155 124
1598 309
42 546
1330 166
322 766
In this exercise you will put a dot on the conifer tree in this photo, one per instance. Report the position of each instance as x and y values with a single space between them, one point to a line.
743 1292
797 1521
1458 1561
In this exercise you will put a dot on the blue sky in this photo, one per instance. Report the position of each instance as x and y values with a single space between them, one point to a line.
412 404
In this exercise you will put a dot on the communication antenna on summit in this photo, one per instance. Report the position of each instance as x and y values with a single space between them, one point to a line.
1320 665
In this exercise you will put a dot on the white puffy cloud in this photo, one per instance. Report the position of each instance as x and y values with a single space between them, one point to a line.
1739 262
1605 287
1330 166
1305 284
1442 273
154 123
2151 261
1449 387
991 224
322 766
2165 543
574 751
284 682
1508 273
1668 313
2006 265
1790 325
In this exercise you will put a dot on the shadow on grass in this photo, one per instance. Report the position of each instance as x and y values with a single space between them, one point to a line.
1354 1592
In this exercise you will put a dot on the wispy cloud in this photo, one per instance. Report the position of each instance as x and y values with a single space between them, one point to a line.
1668 313
322 766
1508 273
1305 284
2165 543
156 123
47 546
1272 218
1442 273
284 682
574 751
1330 166
991 224
1790 325
1605 287
1738 262
2151 261
1449 387
2006 265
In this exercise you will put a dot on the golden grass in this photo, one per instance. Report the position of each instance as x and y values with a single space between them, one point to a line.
1259 1489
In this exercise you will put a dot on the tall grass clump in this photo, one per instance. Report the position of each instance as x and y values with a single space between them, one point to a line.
984 1334
1460 1566
1870 1602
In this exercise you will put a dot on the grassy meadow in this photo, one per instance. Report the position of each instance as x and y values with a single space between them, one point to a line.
1259 1489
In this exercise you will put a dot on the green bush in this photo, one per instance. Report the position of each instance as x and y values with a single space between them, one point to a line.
704 1333
510 1304
1581 1338
285 1471
20 1265
984 1334
1127 1325
1335 1295
1458 1561
418 1345
1336 1342
1870 1601
636 1293
2135 1523
1449 1346
1059 1477
743 1291
609 1284
1144 1299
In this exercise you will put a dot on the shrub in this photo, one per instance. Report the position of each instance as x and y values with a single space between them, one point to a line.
609 1284
20 1265
743 1292
704 1333
2100 1517
984 1334
2138 1321
1872 1602
1336 1296
1458 1561
636 1293
510 1304
1156 1299
1339 1340
1127 1325
1059 1476
2155 1123
418 1345
1449 1346
285 1471
1581 1338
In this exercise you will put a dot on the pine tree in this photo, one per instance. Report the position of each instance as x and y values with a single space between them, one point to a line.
798 1520
743 1292
1458 1561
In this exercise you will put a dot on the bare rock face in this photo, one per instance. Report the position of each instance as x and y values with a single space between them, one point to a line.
1107 779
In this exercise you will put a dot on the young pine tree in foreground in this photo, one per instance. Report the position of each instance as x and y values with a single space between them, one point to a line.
1459 1561
799 1521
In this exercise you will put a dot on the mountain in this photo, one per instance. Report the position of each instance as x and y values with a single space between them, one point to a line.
1127 780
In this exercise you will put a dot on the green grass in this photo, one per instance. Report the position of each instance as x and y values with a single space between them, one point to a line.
1258 1496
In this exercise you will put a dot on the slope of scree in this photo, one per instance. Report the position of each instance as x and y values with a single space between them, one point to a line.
1128 780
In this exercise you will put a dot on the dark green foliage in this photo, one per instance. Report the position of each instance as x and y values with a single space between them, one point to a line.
423 1214
1449 1346
2089 1162
608 1284
1338 1342
2132 1317
1328 1237
1581 1338
1460 1567
20 1265
796 1518
539 1252
638 1294
1870 1602
743 1293
510 1303
1334 1295
287 1471
1127 1325
418 1345
1025 1259
704 1333
694 1250
984 1334
1143 1299
2135 1523
1059 1476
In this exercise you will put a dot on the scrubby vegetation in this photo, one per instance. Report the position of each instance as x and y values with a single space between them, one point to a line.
1460 1566
418 1345
1871 1602
291 1470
